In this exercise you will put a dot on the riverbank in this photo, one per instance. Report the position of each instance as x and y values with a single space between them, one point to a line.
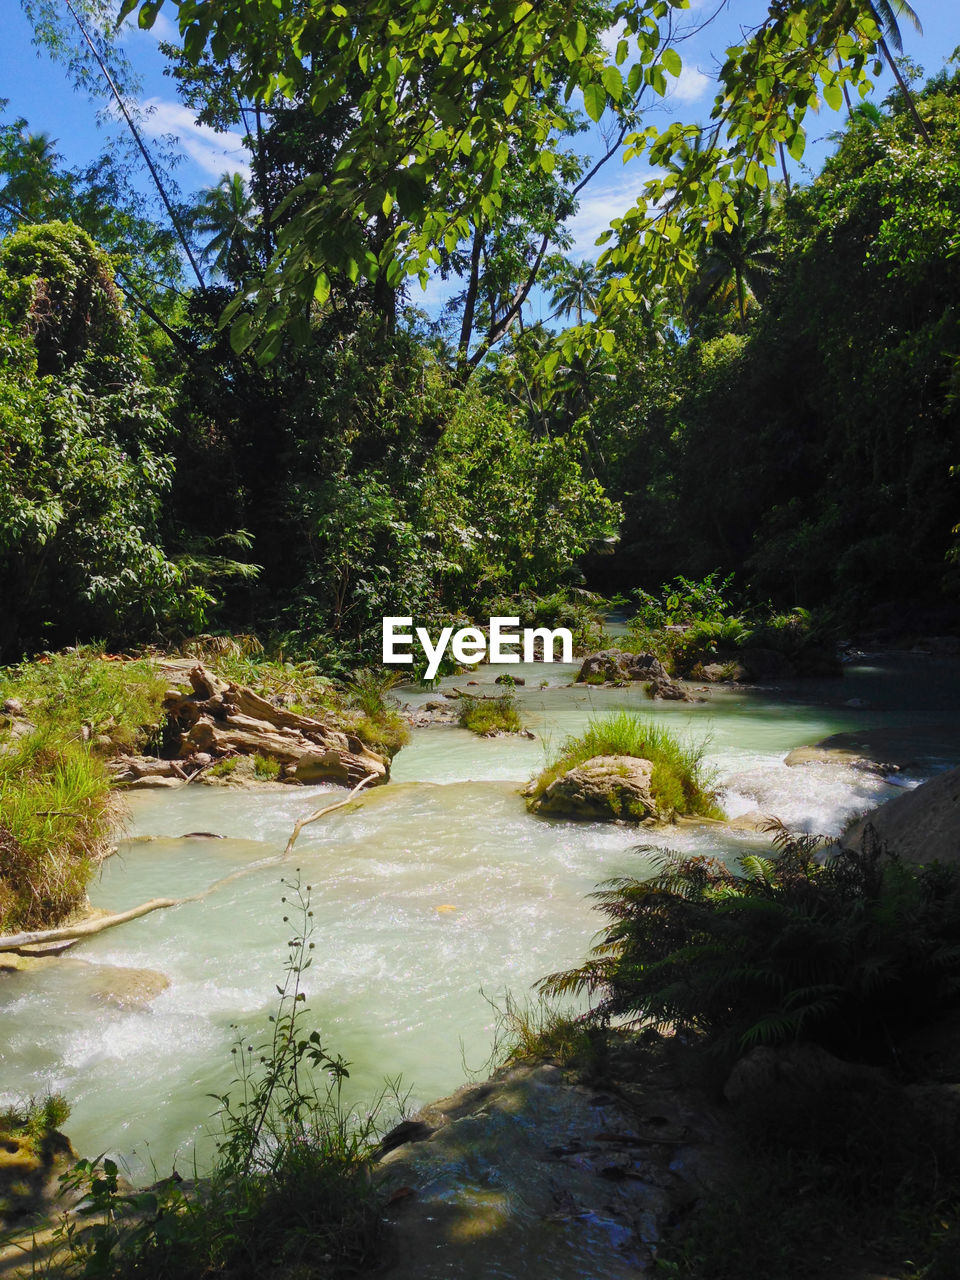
431 887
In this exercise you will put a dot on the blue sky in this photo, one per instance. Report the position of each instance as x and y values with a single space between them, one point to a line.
38 89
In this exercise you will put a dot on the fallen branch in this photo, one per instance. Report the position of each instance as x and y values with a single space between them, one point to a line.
87 928
305 822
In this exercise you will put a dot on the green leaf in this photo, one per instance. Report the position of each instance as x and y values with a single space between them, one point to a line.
671 62
241 334
612 82
595 100
833 96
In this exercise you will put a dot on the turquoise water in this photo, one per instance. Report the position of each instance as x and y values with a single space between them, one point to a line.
430 896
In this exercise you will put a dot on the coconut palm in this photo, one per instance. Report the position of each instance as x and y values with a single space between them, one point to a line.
29 162
228 213
577 287
740 260
886 14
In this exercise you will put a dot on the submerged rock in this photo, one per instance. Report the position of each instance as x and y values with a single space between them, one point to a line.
605 787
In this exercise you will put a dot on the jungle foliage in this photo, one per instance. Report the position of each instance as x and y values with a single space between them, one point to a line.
851 952
276 440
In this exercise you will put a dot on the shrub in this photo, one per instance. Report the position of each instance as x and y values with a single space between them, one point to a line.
680 783
56 815
225 767
290 1192
850 953
37 1119
490 715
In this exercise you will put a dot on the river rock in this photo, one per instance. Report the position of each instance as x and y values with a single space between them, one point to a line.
605 787
618 667
662 687
766 1073
29 1176
922 825
512 1175
832 755
126 988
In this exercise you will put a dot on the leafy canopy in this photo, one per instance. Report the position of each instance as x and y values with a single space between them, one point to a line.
441 103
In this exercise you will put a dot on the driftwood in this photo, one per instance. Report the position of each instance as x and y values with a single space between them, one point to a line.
224 719
88 928
305 822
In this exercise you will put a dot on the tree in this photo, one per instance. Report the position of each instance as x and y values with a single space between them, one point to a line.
743 257
229 215
28 162
886 14
83 465
577 288
441 107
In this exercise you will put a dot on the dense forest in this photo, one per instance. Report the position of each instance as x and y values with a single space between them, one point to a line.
181 456
721 443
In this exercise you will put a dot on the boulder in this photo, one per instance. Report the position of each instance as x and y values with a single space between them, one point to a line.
617 666
922 825
605 787
766 1072
668 690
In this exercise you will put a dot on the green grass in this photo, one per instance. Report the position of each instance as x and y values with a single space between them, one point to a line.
56 818
56 811
538 1031
67 691
489 715
680 783
225 767
266 768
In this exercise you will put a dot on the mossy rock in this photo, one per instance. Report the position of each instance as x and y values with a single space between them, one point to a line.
30 1169
605 788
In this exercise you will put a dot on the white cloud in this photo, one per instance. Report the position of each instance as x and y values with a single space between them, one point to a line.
215 153
597 207
689 86
163 30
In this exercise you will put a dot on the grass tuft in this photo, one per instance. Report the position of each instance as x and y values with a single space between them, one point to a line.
490 715
681 783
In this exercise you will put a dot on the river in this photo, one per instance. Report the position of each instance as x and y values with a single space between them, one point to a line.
431 895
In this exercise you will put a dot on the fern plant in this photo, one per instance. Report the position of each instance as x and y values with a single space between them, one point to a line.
850 952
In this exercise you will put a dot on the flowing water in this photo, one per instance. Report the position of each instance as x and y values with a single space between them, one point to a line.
430 895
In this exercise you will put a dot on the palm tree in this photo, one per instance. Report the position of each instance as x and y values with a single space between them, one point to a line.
577 287
886 14
228 213
740 260
30 166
